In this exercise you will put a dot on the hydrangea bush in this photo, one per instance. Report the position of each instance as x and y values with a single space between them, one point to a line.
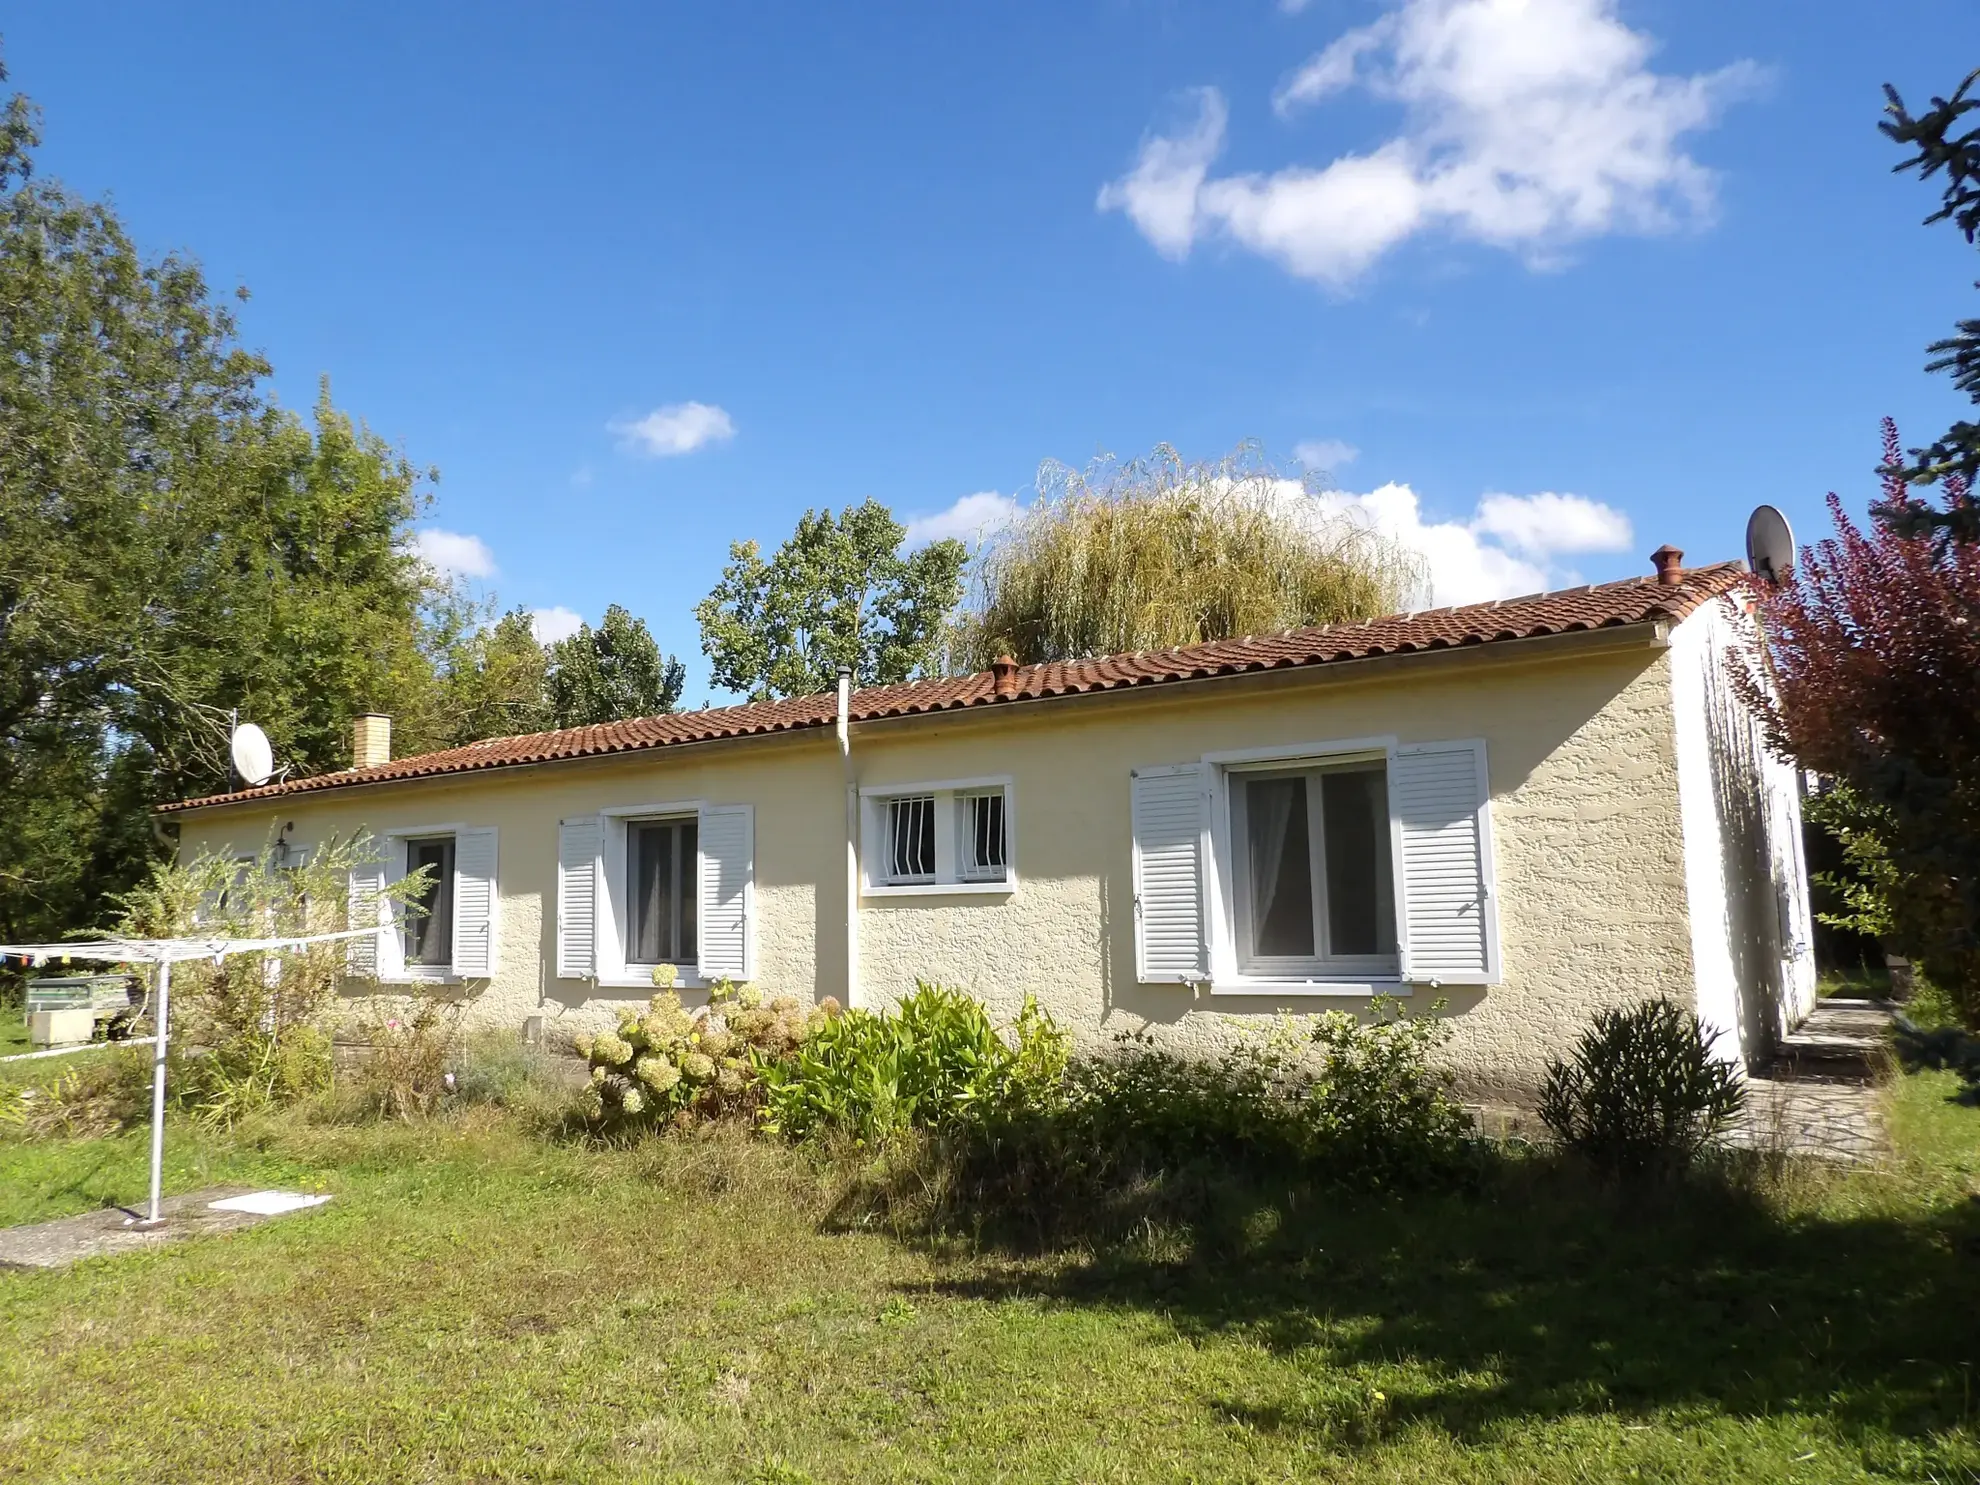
667 1065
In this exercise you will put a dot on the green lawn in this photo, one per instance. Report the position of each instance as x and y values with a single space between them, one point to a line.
476 1305
13 1028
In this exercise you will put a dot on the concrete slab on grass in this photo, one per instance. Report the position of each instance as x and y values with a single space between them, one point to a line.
114 1230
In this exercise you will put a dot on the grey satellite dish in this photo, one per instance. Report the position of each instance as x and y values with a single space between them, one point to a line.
254 759
1769 544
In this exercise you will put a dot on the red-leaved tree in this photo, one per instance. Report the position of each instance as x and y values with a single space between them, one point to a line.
1868 670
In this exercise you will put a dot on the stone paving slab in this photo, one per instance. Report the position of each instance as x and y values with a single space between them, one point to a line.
114 1230
1840 1120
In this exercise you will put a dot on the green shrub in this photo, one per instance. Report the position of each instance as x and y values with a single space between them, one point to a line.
667 1065
933 1061
98 1094
1352 1102
252 1074
1642 1093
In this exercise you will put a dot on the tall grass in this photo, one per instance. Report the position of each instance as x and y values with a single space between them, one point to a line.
1158 553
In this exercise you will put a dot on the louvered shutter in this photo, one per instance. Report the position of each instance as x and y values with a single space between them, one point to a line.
474 904
361 955
1168 817
727 834
578 845
1450 918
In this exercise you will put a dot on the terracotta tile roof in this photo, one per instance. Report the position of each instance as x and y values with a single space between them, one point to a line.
1602 606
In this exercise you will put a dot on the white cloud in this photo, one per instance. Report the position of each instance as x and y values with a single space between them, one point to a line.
1548 524
1528 124
1160 193
454 554
1325 453
971 519
677 428
1503 551
552 624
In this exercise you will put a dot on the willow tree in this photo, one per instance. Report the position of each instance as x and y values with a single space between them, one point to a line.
1160 552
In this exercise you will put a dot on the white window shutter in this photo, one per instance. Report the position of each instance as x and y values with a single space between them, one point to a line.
578 845
727 834
1168 817
361 955
1441 805
474 904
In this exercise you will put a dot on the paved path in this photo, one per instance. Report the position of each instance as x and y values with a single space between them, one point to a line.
1819 1098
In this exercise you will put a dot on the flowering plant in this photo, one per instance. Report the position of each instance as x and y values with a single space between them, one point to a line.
667 1065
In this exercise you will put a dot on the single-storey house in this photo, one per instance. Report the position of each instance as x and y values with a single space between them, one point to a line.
1526 809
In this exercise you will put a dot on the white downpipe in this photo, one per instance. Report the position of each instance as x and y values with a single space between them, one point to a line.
158 1087
852 837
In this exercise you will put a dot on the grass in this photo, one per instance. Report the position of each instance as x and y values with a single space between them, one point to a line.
1861 982
475 1304
13 1028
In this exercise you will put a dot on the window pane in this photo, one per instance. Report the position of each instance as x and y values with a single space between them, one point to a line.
911 839
661 872
650 863
983 837
1355 810
1281 868
429 935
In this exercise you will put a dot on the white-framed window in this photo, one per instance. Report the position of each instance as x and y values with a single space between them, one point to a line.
446 931
1333 868
946 837
1312 874
426 933
639 886
663 875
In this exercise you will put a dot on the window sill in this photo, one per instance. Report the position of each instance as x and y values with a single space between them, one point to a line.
1323 988
437 977
684 979
941 889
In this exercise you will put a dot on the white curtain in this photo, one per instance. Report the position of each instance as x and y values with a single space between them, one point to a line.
1269 806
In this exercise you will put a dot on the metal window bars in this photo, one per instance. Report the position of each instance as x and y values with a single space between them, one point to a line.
983 839
911 839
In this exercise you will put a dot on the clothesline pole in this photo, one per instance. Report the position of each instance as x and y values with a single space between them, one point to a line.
158 1086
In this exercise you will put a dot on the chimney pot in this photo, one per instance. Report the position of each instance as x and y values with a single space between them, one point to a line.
371 740
1669 562
1003 671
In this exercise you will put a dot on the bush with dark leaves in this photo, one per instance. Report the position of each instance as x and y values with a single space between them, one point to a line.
1642 1093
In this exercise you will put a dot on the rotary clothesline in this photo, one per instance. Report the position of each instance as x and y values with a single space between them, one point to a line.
163 952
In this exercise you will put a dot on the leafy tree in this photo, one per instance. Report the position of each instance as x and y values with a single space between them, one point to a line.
1940 148
839 592
1157 553
495 677
172 547
611 673
1871 650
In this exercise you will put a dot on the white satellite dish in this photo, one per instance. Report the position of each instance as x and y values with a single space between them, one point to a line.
254 759
1769 544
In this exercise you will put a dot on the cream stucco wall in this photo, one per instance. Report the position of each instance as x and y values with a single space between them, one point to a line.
1589 843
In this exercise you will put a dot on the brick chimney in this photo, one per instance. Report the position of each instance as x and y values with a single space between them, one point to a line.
371 740
1669 562
1003 672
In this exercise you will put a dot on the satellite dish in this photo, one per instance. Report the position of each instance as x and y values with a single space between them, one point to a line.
1769 544
254 759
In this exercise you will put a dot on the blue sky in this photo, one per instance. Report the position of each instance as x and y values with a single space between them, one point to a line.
642 280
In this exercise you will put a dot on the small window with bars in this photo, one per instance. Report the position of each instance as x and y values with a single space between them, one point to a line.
980 835
943 837
911 840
